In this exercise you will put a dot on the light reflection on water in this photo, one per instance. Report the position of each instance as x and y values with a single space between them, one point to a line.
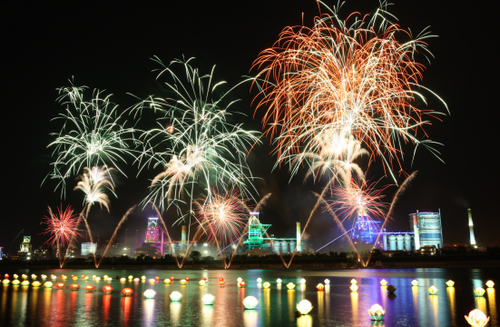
335 306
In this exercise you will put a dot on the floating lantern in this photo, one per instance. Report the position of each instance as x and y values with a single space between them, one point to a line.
6 281
74 278
208 299
302 281
44 277
239 279
433 290
187 279
149 294
15 282
109 280
86 278
107 289
479 291
16 276
136 280
354 288
304 307
166 281
221 279
204 278
172 278
250 302
266 285
105 277
94 277
278 280
490 284
48 284
130 277
202 282
377 312
320 287
36 284
74 287
152 281
259 280
6 276
175 296
383 282
24 276
290 286
83 276
477 318
127 291
97 279
143 278
353 281
222 283
64 277
327 281
89 288
414 282
391 289
33 276
450 283
53 277
157 278
183 282
25 283
243 284
60 286
123 279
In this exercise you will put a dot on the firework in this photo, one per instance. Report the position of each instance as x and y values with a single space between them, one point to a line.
93 183
61 226
92 134
352 79
223 216
198 146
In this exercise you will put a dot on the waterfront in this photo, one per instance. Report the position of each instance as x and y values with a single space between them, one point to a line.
336 306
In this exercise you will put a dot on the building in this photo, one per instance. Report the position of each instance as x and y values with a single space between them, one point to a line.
88 248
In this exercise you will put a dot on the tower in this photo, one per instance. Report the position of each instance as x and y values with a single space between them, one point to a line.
471 229
299 245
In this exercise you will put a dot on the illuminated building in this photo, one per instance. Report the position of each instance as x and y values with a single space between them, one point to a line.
365 230
88 248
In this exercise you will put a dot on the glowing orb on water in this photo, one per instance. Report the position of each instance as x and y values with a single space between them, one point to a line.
477 318
74 287
266 285
479 291
149 294
353 281
450 283
107 289
89 288
15 282
414 282
175 296
320 287
208 299
127 291
304 307
250 302
259 280
60 286
183 282
327 281
383 282
25 283
48 284
302 281
137 280
290 286
36 284
376 312
279 281
490 284
433 290
123 279
202 282
354 288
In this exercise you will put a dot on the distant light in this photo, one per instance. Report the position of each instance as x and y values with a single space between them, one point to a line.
304 307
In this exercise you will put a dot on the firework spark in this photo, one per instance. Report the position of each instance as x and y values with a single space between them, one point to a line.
199 147
92 134
61 226
223 217
93 183
353 79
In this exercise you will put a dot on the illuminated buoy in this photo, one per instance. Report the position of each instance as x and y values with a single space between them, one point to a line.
36 284
279 281
74 278
86 278
353 281
239 279
109 280
98 279
221 279
24 276
490 284
320 287
304 307
383 282
290 286
250 302
354 288
433 290
105 277
33 276
16 282
202 282
266 285
127 291
376 312
152 281
243 284
187 279
123 280
208 299
450 283
6 281
43 276
175 296
477 318
107 289
53 277
172 278
130 277
157 278
137 280
25 283
48 284
64 277
16 276
74 287
166 281
479 291
149 294
414 282
60 286
6 276
327 281
94 277
222 283
259 280
89 288
302 281
183 282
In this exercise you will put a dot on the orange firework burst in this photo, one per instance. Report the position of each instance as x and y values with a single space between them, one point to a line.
223 216
344 79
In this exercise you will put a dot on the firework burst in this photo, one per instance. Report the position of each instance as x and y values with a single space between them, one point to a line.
62 227
92 134
93 183
352 78
222 217
197 146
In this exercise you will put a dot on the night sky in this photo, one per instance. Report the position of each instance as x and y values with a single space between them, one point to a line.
109 47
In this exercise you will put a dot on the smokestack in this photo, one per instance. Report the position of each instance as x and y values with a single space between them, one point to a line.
183 235
471 229
299 246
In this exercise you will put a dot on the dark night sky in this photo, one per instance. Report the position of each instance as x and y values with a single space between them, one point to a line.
109 48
